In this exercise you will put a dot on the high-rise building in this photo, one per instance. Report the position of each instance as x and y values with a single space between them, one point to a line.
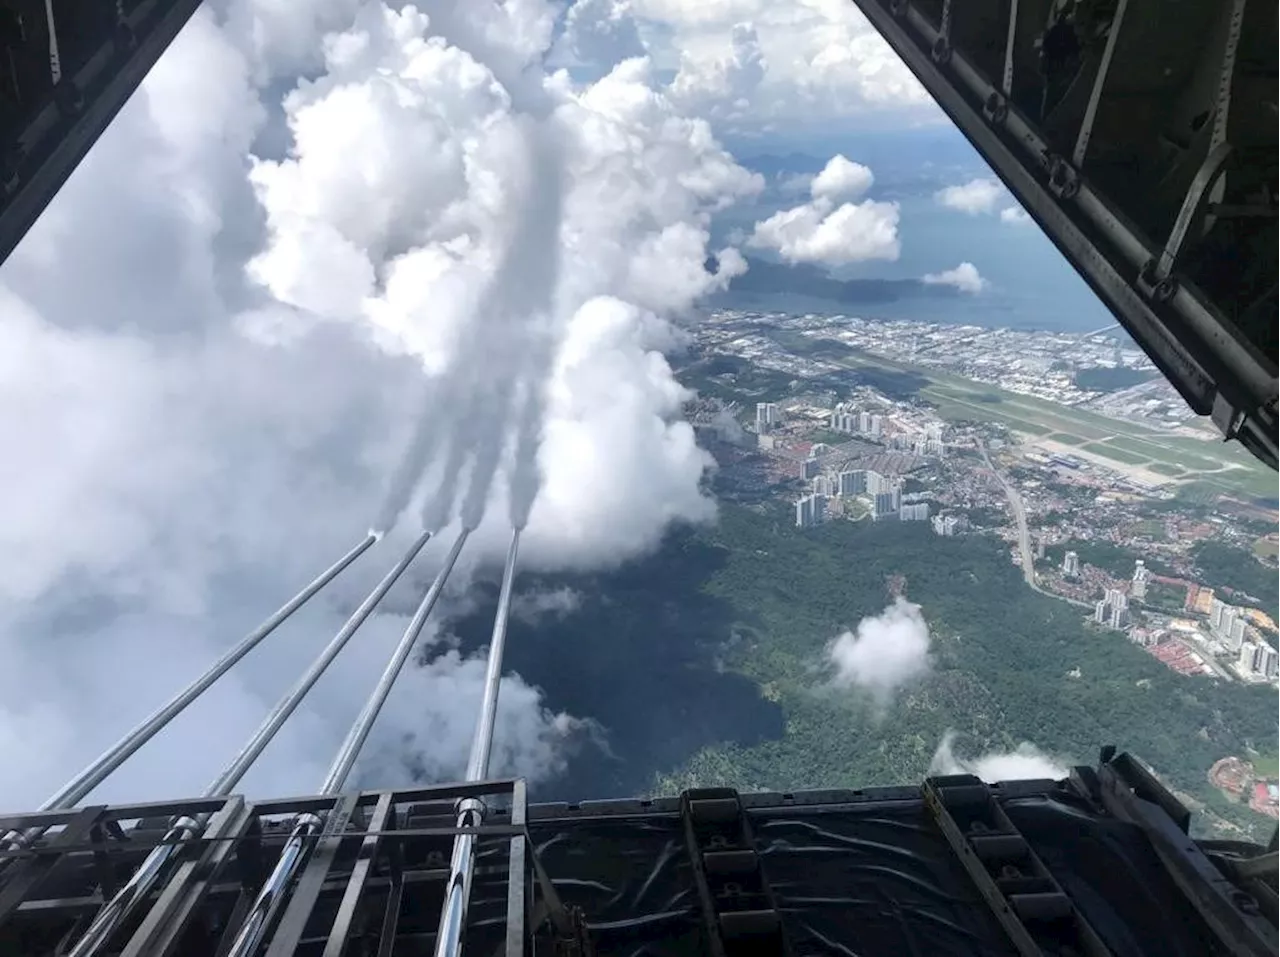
1138 587
1227 624
822 485
1113 610
1236 633
886 505
1070 565
852 483
1269 663
766 416
914 513
810 510
945 525
1040 546
1250 656
876 483
864 421
842 421
1217 609
876 426
812 467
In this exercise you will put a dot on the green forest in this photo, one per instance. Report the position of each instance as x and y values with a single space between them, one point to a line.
1010 665
703 664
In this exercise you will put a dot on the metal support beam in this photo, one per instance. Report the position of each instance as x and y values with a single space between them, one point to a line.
162 929
383 818
1006 81
1230 912
284 940
1208 360
1099 81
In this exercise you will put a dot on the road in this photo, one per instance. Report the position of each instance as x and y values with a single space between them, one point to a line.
1024 534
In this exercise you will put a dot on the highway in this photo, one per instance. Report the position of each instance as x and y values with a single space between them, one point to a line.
1024 534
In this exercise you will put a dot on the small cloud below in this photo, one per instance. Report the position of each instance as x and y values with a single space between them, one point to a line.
976 197
841 179
964 277
828 230
884 653
532 606
1014 216
1026 762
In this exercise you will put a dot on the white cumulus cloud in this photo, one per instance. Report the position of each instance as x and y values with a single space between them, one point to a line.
964 277
601 32
1025 762
801 63
841 179
884 653
827 231
1014 216
322 233
976 197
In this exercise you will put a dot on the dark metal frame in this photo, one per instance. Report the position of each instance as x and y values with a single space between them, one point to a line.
59 123
356 874
228 859
1212 364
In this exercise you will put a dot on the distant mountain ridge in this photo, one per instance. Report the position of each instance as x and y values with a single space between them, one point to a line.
766 278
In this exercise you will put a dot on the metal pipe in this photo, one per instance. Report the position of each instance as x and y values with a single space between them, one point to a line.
78 787
138 886
453 914
265 906
482 743
117 910
359 733
231 775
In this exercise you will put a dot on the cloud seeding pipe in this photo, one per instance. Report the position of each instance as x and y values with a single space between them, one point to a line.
271 896
97 772
453 915
117 910
231 775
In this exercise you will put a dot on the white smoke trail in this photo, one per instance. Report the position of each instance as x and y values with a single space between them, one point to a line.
526 477
437 509
422 442
505 348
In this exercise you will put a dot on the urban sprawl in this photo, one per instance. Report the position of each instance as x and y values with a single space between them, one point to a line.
837 448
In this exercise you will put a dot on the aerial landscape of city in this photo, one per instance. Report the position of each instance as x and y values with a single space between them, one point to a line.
1108 501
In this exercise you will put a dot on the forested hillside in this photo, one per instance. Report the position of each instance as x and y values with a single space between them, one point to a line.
659 653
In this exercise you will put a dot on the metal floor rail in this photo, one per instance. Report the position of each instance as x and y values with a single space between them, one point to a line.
351 890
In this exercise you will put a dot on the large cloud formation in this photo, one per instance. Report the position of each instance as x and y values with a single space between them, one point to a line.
830 229
754 65
321 234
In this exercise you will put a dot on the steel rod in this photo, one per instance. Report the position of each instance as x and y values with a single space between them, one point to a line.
118 909
359 733
231 775
266 905
94 774
482 744
453 913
